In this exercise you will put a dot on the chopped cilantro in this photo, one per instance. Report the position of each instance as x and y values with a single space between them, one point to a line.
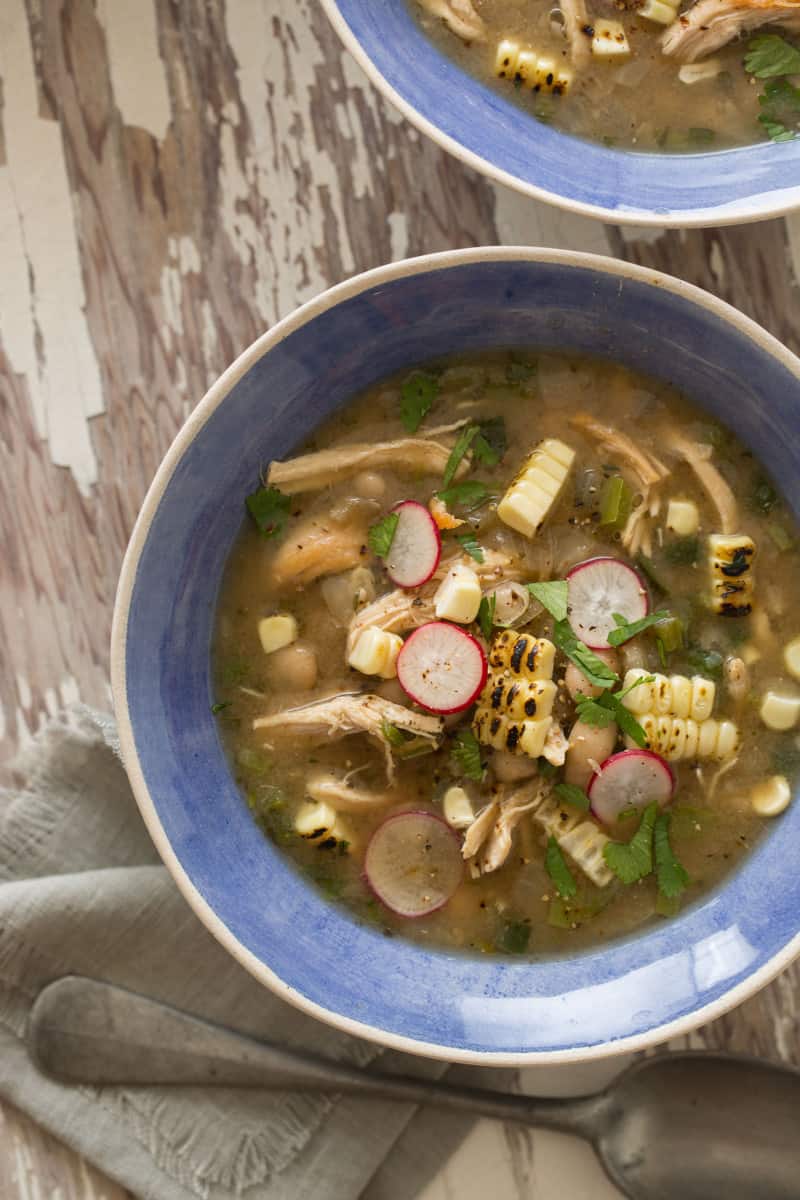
471 546
466 755
558 870
769 55
671 875
608 707
269 508
491 442
514 937
220 706
552 595
763 497
381 534
707 662
417 395
463 442
572 795
633 860
629 629
595 670
780 109
486 615
469 494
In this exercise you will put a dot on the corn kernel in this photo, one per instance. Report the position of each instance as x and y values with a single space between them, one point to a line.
276 632
779 711
683 517
771 796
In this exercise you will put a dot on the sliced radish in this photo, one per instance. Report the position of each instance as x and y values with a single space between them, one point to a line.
413 863
441 667
416 546
598 588
630 779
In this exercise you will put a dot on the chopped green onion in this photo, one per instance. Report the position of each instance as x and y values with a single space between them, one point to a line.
668 633
393 735
616 503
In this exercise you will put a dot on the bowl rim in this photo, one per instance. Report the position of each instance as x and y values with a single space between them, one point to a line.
214 397
689 219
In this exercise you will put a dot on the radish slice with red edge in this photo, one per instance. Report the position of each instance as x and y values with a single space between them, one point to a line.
416 546
597 589
630 779
441 667
413 863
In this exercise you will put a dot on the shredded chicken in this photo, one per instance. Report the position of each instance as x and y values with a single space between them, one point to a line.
488 840
331 787
711 24
353 712
648 470
320 545
460 16
698 456
555 745
409 456
576 22
401 611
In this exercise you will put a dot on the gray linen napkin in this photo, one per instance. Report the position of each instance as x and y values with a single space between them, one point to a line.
82 892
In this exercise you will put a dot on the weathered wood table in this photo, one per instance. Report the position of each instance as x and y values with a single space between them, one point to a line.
173 178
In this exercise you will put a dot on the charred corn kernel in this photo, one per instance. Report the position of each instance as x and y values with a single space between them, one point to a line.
779 711
658 11
791 657
537 487
579 838
375 653
771 796
458 596
514 709
683 517
610 40
276 632
505 63
457 808
731 565
681 740
676 696
321 825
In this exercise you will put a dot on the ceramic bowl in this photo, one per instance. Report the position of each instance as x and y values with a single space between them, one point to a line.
625 995
494 136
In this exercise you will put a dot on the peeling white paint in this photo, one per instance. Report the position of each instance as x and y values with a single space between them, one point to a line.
398 234
133 58
521 221
210 340
50 703
42 298
24 691
793 235
69 691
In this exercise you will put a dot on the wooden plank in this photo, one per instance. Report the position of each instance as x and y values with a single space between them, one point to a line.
169 186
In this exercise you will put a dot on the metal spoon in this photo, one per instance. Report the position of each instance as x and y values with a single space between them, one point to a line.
674 1127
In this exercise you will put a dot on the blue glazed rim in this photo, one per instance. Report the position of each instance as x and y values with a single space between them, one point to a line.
625 996
474 123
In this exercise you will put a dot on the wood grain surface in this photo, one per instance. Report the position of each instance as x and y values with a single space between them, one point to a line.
174 176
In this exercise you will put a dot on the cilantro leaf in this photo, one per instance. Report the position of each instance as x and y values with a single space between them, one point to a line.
592 712
471 546
470 494
608 707
595 670
381 534
269 508
780 108
573 795
463 442
629 629
672 877
393 735
486 615
514 937
491 442
769 55
558 870
552 595
466 755
633 860
417 395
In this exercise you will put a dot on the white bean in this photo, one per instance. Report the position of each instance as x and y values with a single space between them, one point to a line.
588 744
294 668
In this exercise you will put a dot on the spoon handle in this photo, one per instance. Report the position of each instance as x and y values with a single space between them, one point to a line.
84 1031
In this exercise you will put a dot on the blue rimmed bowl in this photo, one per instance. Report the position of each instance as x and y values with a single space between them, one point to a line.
625 995
477 125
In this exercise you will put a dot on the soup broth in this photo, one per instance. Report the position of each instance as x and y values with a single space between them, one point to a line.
438 788
605 71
